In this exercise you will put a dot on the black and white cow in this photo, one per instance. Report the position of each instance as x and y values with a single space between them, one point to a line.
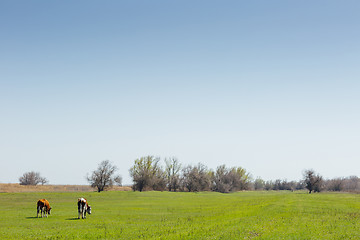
83 208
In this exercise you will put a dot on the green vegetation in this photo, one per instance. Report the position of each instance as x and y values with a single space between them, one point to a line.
180 215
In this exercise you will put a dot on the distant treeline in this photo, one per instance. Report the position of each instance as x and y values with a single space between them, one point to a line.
148 174
346 184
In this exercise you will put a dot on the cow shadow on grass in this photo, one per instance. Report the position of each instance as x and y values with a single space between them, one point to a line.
69 219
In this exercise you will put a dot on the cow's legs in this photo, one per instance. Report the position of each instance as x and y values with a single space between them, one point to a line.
37 211
79 210
41 212
83 210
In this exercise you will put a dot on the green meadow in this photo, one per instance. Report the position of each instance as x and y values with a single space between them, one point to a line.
167 215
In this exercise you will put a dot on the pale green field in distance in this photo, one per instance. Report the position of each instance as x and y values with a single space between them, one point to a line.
165 215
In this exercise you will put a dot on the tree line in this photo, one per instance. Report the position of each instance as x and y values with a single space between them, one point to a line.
312 182
149 174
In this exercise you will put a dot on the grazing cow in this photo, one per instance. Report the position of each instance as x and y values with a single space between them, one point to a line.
43 206
83 208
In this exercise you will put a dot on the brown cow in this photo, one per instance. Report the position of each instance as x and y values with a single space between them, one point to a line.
43 206
83 208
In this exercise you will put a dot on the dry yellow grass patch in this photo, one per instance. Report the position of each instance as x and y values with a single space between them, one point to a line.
15 187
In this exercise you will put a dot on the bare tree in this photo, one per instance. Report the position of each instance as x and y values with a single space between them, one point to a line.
221 180
241 179
118 180
172 172
284 185
313 181
196 178
147 174
269 185
32 178
259 184
336 184
230 179
104 176
352 184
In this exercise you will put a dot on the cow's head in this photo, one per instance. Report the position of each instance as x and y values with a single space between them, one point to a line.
49 211
88 210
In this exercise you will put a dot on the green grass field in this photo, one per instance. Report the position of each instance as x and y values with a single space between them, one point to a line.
164 215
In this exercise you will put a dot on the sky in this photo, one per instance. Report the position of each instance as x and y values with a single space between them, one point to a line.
269 86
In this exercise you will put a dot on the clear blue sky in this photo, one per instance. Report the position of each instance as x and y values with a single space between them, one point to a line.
271 86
